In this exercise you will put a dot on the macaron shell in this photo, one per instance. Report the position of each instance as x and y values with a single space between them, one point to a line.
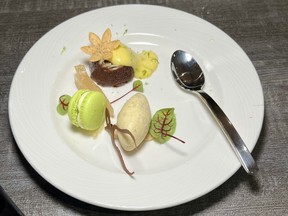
92 111
73 106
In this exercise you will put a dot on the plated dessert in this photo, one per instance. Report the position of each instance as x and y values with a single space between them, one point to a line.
113 64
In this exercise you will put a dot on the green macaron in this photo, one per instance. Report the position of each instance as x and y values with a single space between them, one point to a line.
87 109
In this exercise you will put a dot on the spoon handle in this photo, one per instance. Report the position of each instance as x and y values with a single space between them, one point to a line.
231 133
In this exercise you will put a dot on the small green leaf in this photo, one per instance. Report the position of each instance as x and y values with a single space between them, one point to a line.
63 50
62 106
138 86
163 125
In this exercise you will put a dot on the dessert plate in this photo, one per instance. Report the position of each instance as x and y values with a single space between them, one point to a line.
165 174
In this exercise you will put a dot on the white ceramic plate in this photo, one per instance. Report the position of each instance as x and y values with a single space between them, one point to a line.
165 175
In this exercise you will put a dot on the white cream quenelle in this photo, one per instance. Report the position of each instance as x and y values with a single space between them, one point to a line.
135 116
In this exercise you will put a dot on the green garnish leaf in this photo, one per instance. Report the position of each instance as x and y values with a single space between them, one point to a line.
138 86
163 125
62 106
63 50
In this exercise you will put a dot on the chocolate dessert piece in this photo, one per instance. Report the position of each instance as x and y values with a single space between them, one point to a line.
107 74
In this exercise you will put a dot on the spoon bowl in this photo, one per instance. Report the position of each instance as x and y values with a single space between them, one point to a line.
182 65
189 75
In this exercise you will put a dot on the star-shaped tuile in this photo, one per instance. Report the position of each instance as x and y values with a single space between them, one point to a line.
100 49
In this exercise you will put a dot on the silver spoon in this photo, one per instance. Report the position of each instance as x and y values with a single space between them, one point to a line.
189 76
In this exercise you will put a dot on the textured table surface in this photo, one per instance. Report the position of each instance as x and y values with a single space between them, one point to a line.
259 27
